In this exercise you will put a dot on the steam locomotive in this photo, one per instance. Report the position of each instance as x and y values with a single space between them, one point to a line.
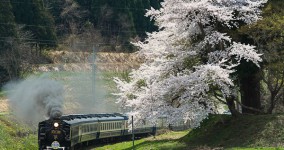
67 131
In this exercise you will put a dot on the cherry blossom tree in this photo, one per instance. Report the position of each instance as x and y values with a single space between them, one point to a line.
188 59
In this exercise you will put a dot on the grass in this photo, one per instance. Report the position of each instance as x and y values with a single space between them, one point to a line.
167 141
2 94
16 136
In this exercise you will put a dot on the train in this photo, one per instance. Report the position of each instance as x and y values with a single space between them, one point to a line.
68 131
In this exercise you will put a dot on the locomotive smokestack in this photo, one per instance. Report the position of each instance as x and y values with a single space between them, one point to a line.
36 98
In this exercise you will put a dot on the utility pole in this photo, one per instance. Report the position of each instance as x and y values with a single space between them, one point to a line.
94 70
132 133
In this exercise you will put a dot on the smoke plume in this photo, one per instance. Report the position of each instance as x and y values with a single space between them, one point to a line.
36 98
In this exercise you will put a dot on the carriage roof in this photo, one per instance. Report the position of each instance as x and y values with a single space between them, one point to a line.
85 118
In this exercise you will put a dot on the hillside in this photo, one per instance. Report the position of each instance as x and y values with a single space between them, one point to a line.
245 131
78 61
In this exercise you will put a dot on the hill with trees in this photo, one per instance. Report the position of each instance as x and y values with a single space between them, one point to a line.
30 27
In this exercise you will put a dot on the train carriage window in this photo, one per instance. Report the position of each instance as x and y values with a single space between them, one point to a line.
95 127
75 131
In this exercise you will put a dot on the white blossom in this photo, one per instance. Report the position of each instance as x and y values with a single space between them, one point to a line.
173 81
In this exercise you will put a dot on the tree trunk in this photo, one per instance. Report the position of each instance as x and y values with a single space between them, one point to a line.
250 92
232 106
272 103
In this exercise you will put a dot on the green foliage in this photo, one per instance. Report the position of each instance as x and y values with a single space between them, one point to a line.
268 33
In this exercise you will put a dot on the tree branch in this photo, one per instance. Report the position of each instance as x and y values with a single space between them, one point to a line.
250 108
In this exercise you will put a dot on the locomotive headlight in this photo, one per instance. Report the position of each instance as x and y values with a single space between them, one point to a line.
56 124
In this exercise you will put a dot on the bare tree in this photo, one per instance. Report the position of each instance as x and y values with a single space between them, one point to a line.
18 55
273 77
71 14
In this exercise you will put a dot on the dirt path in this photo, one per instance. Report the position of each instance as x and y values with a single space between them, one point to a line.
4 105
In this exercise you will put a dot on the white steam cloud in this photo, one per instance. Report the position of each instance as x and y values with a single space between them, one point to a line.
36 98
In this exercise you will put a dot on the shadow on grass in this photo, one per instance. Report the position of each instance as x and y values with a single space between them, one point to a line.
245 131
159 145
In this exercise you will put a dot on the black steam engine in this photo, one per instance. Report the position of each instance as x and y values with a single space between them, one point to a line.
68 131
54 134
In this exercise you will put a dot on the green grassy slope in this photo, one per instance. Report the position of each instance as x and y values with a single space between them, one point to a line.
14 136
245 131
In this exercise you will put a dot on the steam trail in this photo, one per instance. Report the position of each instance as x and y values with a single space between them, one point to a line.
35 98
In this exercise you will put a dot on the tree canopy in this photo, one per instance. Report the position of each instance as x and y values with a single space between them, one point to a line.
189 60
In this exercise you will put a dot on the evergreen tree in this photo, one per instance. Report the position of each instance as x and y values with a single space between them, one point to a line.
8 35
37 19
7 23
